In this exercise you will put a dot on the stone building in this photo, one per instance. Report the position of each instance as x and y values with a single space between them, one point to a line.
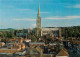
53 31
56 32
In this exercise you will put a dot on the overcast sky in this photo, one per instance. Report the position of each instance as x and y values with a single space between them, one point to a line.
20 14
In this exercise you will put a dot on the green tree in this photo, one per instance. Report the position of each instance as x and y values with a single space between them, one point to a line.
33 39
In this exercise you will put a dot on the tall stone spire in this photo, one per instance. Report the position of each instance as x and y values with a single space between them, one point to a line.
38 10
38 18
38 24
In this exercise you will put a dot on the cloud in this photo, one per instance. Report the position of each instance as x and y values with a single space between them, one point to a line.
33 25
44 12
74 6
23 9
30 10
41 12
26 19
64 17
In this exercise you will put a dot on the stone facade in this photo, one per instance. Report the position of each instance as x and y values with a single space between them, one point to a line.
55 32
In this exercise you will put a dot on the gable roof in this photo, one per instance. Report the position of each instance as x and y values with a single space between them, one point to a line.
63 52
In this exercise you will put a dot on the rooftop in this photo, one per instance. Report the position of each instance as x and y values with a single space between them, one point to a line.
63 52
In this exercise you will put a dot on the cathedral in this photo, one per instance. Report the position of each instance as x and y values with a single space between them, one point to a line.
56 32
41 31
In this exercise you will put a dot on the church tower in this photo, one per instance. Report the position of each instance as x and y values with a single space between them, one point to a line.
38 24
38 18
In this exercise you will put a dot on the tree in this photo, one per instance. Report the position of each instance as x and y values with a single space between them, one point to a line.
71 32
1 35
33 39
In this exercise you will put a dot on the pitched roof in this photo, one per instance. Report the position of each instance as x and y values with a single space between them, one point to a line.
64 49
38 49
32 51
63 52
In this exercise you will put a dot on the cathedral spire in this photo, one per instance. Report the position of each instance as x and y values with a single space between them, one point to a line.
38 10
38 25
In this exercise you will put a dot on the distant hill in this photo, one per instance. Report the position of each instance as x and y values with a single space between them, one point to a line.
6 29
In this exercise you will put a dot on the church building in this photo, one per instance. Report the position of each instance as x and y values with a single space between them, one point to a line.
56 32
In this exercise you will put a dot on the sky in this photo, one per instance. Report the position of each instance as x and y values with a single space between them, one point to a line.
19 14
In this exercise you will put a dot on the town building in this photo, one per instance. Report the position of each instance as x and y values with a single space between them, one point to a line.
2 44
13 46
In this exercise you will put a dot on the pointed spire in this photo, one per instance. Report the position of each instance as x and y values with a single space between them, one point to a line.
38 10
